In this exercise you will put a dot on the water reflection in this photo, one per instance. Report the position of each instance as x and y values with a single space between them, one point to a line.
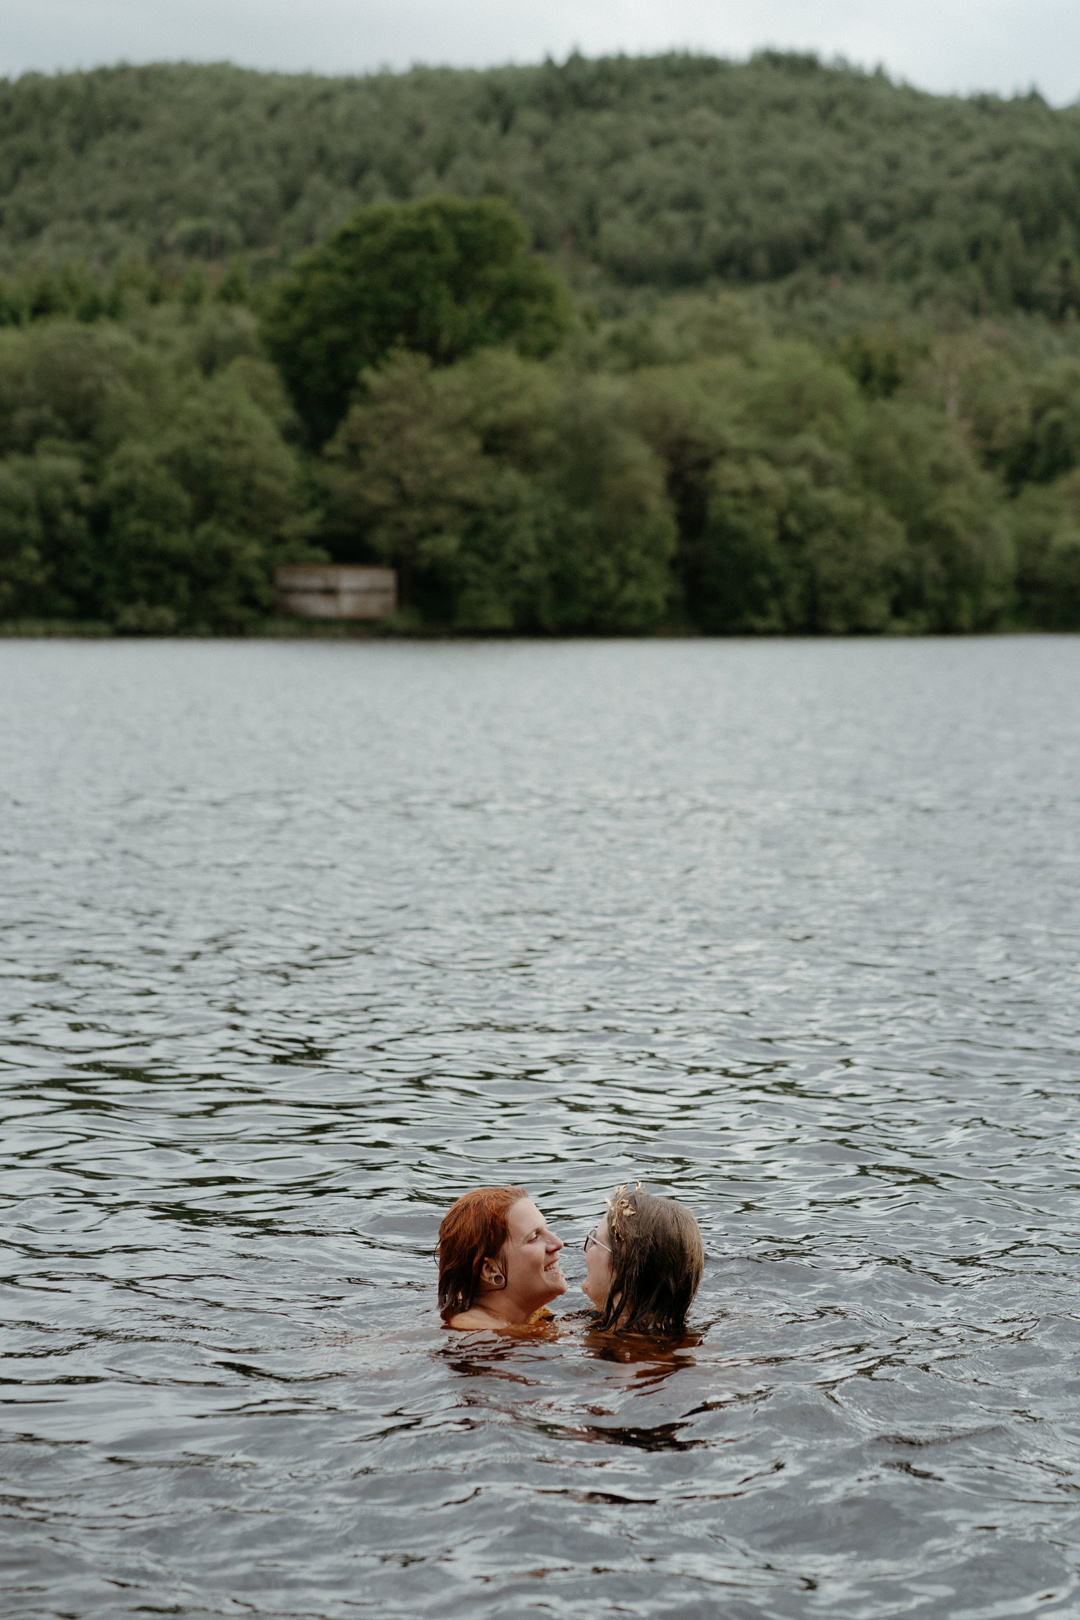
299 942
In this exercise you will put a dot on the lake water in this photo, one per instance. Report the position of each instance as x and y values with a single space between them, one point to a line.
298 941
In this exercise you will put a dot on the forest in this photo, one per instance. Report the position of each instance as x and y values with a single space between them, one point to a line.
670 345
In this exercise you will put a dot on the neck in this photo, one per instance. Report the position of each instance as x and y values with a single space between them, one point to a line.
615 1305
509 1309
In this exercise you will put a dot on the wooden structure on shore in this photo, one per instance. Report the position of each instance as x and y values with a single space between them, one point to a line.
336 591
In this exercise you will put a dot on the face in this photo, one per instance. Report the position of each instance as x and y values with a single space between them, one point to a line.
533 1273
597 1282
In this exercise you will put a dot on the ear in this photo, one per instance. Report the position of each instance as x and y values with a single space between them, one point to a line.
490 1270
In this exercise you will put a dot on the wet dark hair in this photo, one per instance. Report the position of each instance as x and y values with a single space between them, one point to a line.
657 1258
472 1230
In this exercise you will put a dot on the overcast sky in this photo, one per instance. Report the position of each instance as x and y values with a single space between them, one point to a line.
1002 45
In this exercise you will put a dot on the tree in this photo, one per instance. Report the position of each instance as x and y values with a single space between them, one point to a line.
144 484
408 482
44 510
199 513
507 497
1045 523
440 277
961 561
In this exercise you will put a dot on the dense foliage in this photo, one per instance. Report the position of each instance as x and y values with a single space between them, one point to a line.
508 495
881 436
693 469
144 477
440 277
740 492
665 170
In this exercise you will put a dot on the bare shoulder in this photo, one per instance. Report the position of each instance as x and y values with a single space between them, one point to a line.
481 1321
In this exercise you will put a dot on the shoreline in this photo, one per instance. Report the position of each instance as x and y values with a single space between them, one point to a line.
282 630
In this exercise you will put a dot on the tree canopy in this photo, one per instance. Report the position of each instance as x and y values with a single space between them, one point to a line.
822 376
440 277
145 481
661 171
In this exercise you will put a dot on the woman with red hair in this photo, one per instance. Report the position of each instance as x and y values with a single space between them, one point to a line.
498 1263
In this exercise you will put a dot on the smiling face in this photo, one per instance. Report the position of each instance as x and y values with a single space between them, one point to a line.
531 1260
597 1284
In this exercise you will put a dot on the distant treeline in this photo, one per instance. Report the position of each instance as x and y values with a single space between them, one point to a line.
667 171
881 436
687 470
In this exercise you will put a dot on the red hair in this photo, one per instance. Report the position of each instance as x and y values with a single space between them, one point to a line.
472 1230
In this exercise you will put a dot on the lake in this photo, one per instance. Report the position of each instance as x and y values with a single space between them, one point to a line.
301 940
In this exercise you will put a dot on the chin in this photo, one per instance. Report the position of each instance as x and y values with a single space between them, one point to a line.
554 1279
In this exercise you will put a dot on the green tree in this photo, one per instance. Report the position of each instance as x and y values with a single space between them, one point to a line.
616 530
1029 426
1045 525
199 513
408 483
45 536
961 570
83 385
777 531
790 546
137 490
506 496
440 277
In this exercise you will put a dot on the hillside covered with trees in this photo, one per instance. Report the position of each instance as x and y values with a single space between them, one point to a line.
666 171
608 347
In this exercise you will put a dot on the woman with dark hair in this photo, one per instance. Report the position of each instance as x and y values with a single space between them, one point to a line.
643 1263
498 1263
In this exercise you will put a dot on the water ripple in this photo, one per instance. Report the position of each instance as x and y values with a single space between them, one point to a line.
299 941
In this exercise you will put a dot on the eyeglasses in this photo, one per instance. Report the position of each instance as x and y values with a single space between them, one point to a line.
591 1239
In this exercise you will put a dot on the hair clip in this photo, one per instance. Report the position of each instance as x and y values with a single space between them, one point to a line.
620 1205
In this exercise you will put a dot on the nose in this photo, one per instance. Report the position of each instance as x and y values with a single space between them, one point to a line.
553 1243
